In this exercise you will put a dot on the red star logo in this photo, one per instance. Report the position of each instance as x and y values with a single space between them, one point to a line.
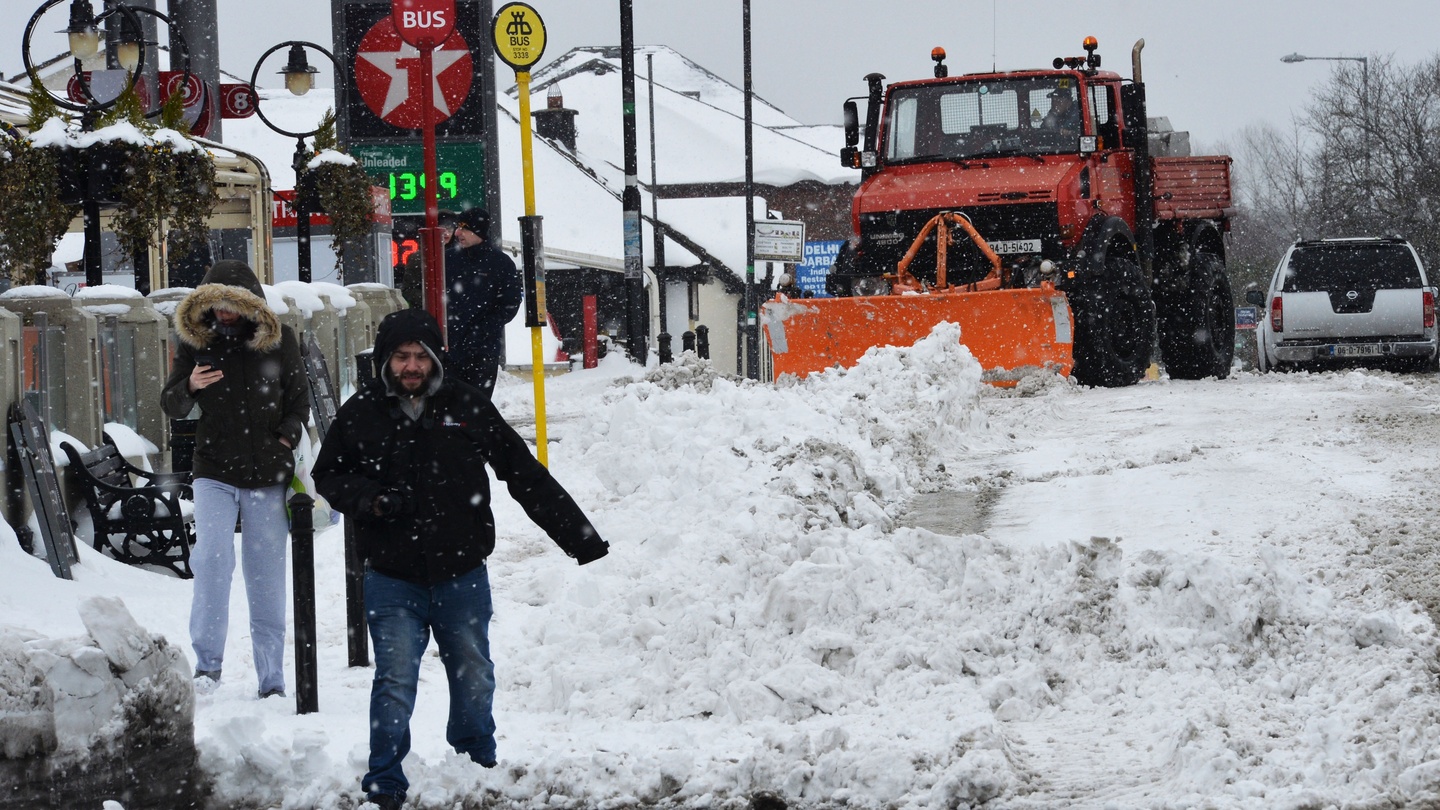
387 73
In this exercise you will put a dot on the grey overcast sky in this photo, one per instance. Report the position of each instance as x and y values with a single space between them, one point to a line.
1213 67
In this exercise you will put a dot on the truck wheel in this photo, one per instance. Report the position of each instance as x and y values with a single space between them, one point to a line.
1114 326
1197 323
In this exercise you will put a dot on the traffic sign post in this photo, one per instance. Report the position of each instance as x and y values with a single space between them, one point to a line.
426 24
518 34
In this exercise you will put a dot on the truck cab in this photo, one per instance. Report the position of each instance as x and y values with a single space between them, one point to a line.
1028 156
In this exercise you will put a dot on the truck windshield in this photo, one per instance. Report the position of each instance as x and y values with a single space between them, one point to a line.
983 118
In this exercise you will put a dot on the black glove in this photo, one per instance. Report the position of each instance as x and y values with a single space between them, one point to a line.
391 504
591 551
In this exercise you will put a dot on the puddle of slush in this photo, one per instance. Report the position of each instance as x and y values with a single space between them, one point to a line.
953 513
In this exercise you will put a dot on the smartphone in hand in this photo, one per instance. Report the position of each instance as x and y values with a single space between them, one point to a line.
207 360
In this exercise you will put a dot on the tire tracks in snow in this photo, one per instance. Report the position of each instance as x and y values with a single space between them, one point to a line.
1378 544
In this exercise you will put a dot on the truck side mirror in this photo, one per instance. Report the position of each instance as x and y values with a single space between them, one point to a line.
1255 297
850 155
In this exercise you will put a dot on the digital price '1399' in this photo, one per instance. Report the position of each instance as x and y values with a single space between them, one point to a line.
408 185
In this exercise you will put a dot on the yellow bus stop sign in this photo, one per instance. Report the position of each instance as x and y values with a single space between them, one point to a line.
518 34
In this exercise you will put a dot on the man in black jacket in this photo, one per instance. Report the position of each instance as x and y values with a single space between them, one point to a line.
484 293
242 367
405 460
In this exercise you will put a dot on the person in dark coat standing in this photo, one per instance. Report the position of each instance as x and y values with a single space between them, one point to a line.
242 367
405 461
484 294
411 272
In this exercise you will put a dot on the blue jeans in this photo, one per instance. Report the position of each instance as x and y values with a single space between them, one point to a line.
262 553
401 616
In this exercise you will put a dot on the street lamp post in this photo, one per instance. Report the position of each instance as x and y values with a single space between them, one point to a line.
83 33
299 78
1364 61
130 53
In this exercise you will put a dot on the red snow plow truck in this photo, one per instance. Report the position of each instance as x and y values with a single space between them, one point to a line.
1041 211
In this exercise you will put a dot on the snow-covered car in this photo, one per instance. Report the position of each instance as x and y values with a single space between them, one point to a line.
1355 301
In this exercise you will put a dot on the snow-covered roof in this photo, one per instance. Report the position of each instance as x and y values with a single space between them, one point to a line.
672 71
582 214
14 107
699 122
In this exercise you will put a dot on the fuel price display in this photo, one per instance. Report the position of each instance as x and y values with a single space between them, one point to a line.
400 168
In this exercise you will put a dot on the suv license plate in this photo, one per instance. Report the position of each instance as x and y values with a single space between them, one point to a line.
1357 350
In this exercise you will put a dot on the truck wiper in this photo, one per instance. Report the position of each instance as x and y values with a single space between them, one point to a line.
962 162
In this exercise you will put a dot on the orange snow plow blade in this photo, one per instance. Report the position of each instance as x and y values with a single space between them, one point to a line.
1012 332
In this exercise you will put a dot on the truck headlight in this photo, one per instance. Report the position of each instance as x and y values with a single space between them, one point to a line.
870 285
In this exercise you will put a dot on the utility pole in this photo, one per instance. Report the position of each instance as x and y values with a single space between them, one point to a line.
639 338
752 325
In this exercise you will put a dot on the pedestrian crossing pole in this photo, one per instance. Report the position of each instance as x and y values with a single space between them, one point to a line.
518 35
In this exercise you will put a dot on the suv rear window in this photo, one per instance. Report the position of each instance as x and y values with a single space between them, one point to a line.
1323 268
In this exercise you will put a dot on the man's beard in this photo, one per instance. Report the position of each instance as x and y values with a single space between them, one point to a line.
414 384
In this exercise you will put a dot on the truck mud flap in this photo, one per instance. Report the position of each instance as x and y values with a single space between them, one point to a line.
1011 332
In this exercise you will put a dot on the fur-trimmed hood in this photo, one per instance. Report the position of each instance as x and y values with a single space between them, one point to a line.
230 285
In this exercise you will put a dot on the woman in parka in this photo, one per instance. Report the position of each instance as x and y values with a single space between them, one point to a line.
242 367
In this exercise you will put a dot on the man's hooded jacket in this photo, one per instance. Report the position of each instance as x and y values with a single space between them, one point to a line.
433 466
264 395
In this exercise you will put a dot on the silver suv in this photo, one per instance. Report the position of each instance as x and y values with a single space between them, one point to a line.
1335 302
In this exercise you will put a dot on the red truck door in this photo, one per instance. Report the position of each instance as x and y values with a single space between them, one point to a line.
1111 166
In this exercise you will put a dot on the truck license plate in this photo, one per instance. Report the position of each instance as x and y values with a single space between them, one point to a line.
1357 350
1016 246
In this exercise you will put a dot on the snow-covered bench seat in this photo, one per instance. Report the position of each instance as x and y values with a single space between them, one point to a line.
140 517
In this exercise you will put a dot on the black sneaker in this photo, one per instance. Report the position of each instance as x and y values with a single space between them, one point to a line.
384 801
277 693
206 681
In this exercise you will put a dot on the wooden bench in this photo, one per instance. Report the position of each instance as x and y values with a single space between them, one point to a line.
140 517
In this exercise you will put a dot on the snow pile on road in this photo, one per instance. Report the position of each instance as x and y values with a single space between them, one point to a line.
842 446
74 711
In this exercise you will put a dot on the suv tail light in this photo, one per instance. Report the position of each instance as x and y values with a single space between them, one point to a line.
1277 314
1428 308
